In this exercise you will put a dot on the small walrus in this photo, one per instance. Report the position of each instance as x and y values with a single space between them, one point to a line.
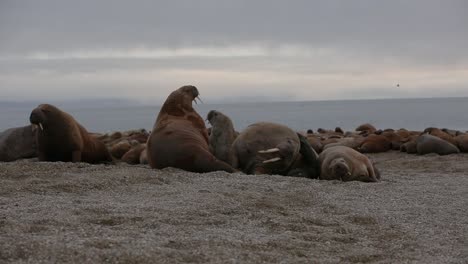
179 137
61 138
222 135
269 148
346 164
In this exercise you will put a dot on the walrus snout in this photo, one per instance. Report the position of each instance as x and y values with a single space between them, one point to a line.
340 169
212 114
37 118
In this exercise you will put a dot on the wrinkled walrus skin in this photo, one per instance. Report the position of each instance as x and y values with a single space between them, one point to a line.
61 138
179 137
346 164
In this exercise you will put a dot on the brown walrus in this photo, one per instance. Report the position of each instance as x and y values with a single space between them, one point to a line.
410 145
427 143
366 129
346 164
269 148
18 143
133 155
352 142
61 138
179 137
462 142
222 135
375 143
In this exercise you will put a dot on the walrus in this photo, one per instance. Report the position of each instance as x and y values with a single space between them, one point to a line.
179 137
440 134
462 142
352 142
346 164
410 145
427 143
61 138
270 148
222 135
133 155
119 149
366 129
315 142
394 137
375 143
18 143
451 132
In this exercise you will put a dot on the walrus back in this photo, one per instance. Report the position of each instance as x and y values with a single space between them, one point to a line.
94 150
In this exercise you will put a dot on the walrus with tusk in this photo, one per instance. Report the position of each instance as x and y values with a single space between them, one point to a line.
179 137
270 148
61 138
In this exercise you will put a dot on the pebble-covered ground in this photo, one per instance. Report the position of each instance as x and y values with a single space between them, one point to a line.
80 213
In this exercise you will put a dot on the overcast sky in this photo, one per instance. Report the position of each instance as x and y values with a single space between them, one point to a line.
233 50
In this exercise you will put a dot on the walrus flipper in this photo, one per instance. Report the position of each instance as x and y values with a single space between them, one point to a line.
206 162
310 158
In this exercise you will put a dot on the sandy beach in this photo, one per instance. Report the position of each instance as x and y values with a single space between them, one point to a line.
81 213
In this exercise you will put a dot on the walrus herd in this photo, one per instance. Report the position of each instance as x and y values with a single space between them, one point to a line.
180 139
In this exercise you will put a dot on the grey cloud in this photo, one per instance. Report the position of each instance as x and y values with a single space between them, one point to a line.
422 29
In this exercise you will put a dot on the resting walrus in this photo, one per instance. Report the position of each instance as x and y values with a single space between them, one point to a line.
344 163
269 148
18 143
61 138
179 137
427 143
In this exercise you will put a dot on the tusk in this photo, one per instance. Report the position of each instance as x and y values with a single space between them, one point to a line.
271 160
198 97
40 125
272 150
349 173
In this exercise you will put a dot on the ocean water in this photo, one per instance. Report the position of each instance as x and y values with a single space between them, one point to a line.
415 114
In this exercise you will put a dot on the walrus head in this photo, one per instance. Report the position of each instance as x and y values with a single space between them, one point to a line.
211 116
340 169
215 117
42 115
180 101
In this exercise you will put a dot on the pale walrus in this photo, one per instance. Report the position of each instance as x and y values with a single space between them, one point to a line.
346 164
427 143
269 148
222 135
179 137
61 138
18 143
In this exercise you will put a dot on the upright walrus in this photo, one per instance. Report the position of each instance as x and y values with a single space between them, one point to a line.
222 135
61 138
179 137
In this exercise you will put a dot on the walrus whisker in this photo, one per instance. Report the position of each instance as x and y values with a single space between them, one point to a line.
272 160
40 125
272 150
